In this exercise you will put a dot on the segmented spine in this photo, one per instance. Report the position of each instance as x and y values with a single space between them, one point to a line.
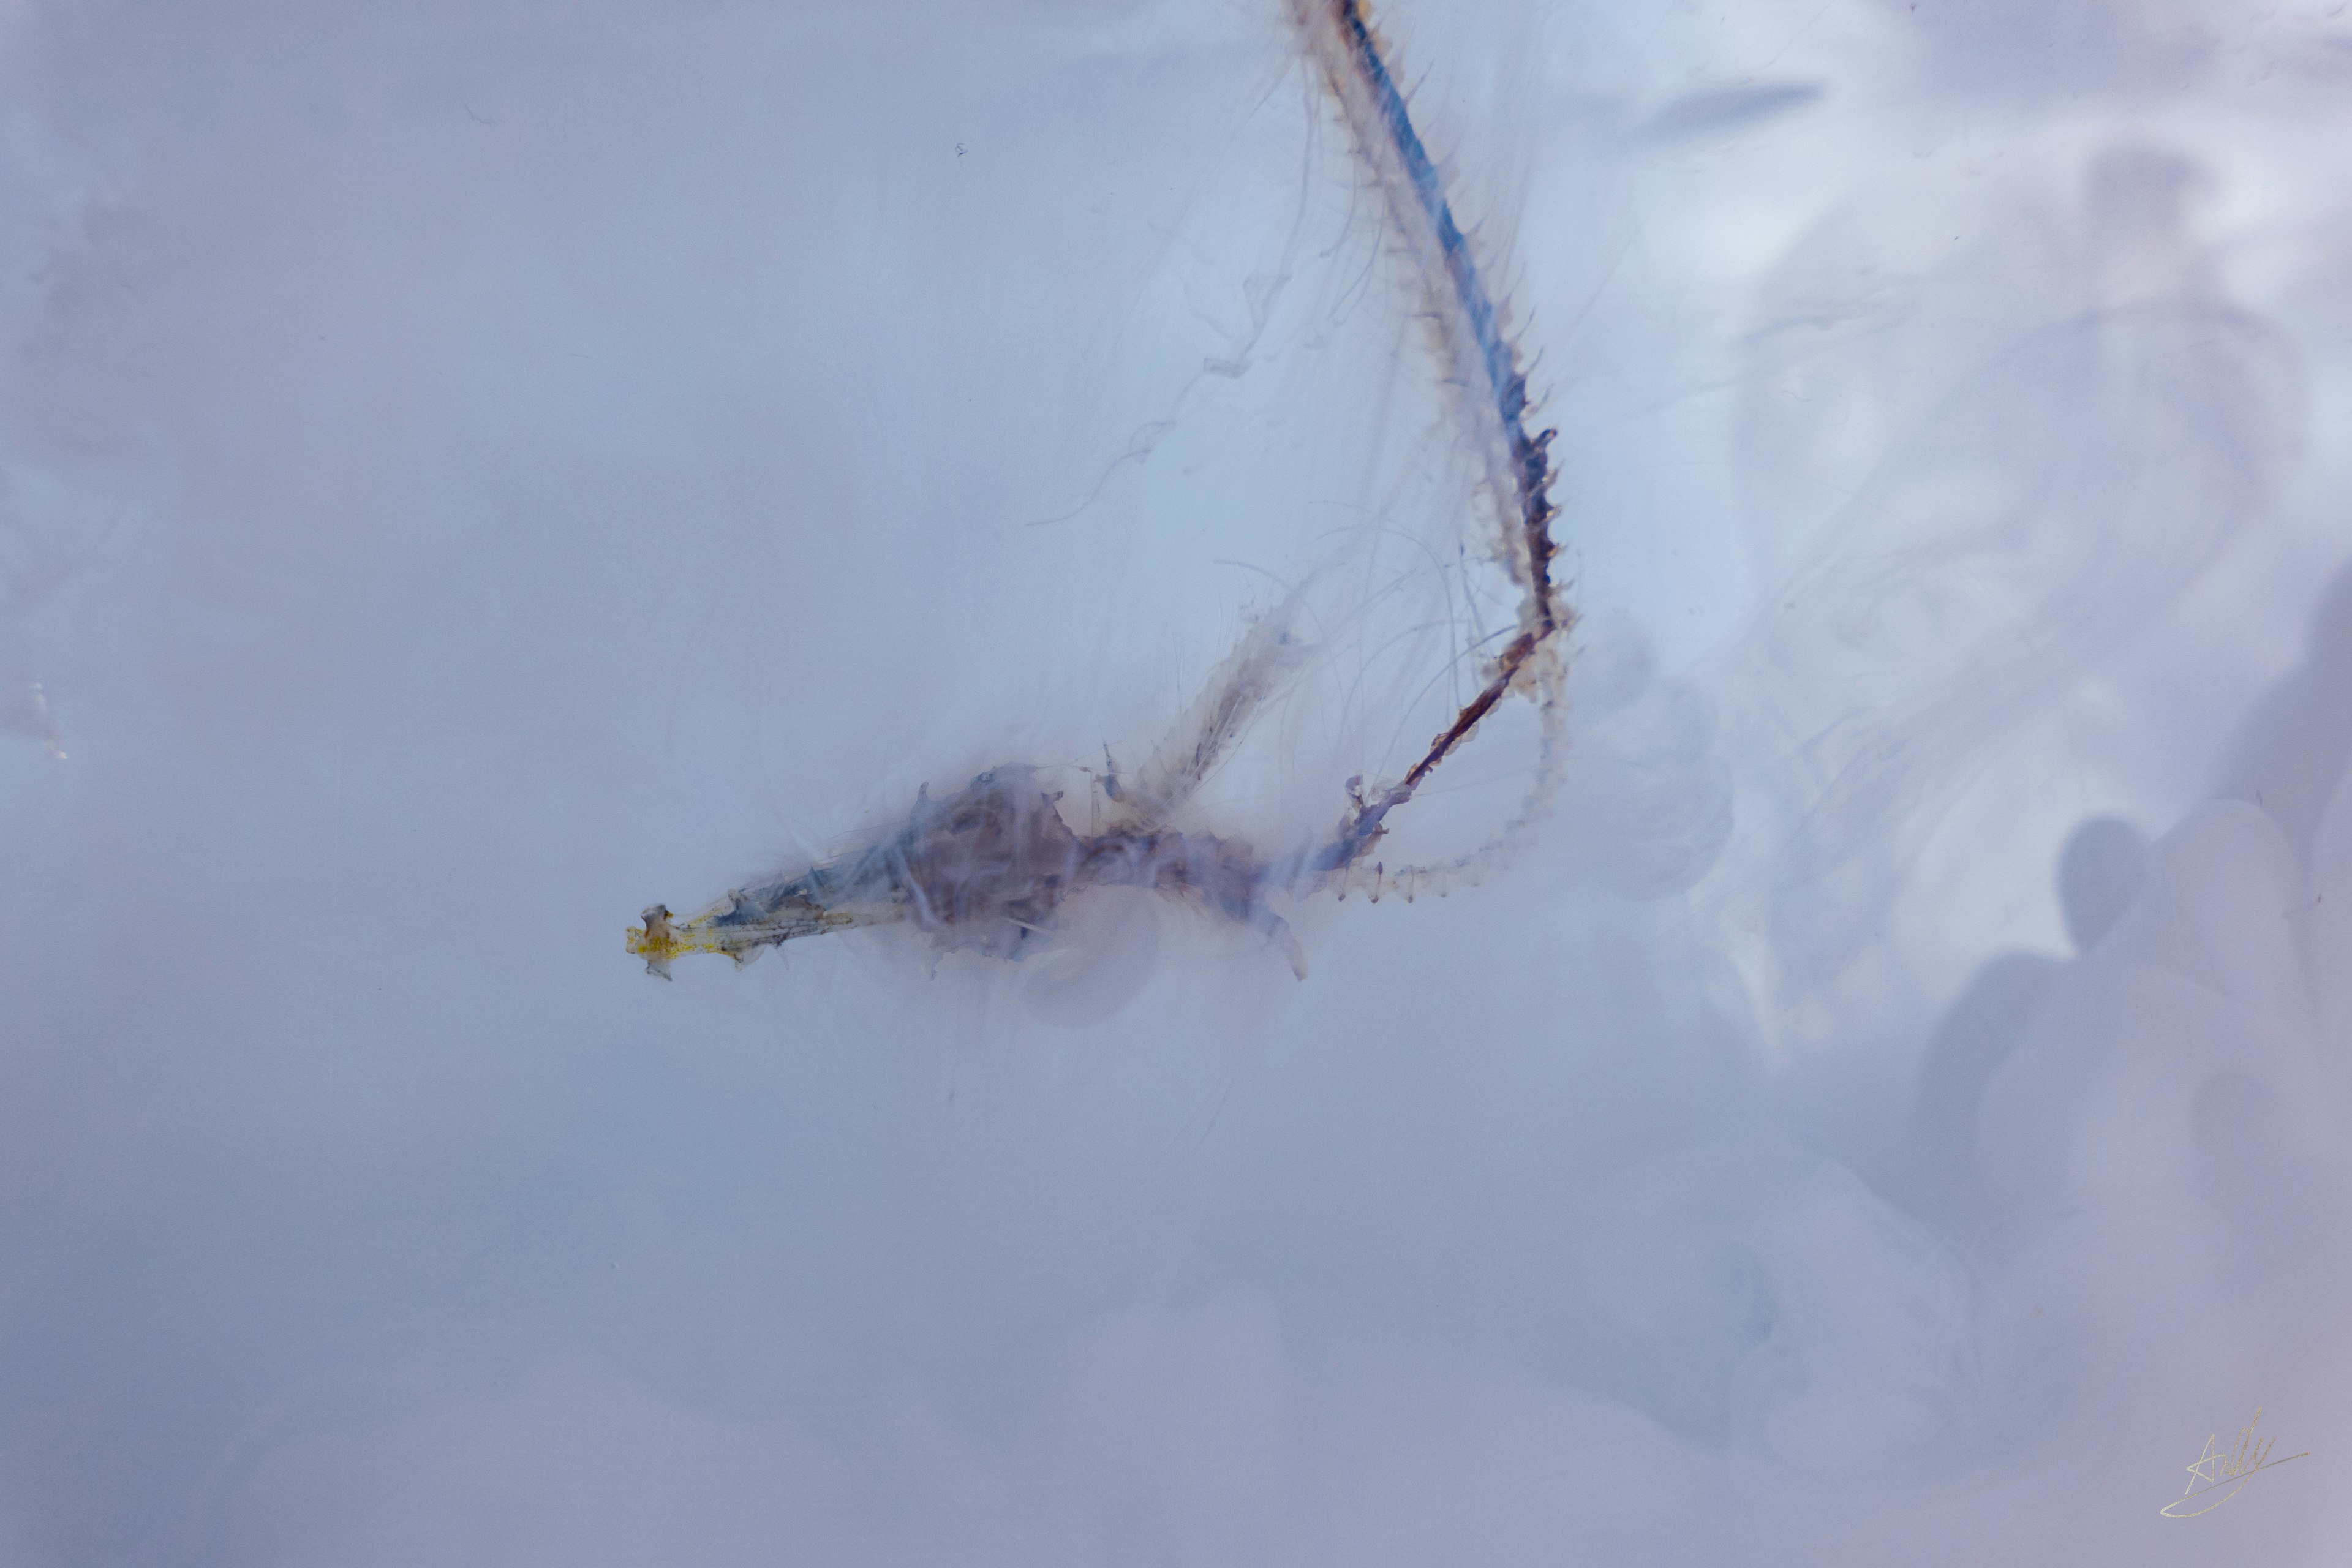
1518 468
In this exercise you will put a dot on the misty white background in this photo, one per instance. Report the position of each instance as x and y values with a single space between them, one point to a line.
474 469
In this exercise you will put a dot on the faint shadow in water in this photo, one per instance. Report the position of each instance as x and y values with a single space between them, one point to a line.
2290 753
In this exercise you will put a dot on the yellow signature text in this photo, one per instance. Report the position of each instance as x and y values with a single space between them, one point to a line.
2215 1470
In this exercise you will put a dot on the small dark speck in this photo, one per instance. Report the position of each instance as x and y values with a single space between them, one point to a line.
958 149
476 118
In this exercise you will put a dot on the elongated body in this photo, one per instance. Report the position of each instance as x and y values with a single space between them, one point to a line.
989 868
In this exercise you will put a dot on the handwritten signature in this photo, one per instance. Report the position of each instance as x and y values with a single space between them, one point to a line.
2217 1470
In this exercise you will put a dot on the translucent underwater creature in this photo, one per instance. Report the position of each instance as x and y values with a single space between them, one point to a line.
989 868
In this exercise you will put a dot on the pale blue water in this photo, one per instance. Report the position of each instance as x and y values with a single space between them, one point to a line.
472 472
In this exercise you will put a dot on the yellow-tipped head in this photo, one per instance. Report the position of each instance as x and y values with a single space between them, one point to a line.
657 942
726 928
